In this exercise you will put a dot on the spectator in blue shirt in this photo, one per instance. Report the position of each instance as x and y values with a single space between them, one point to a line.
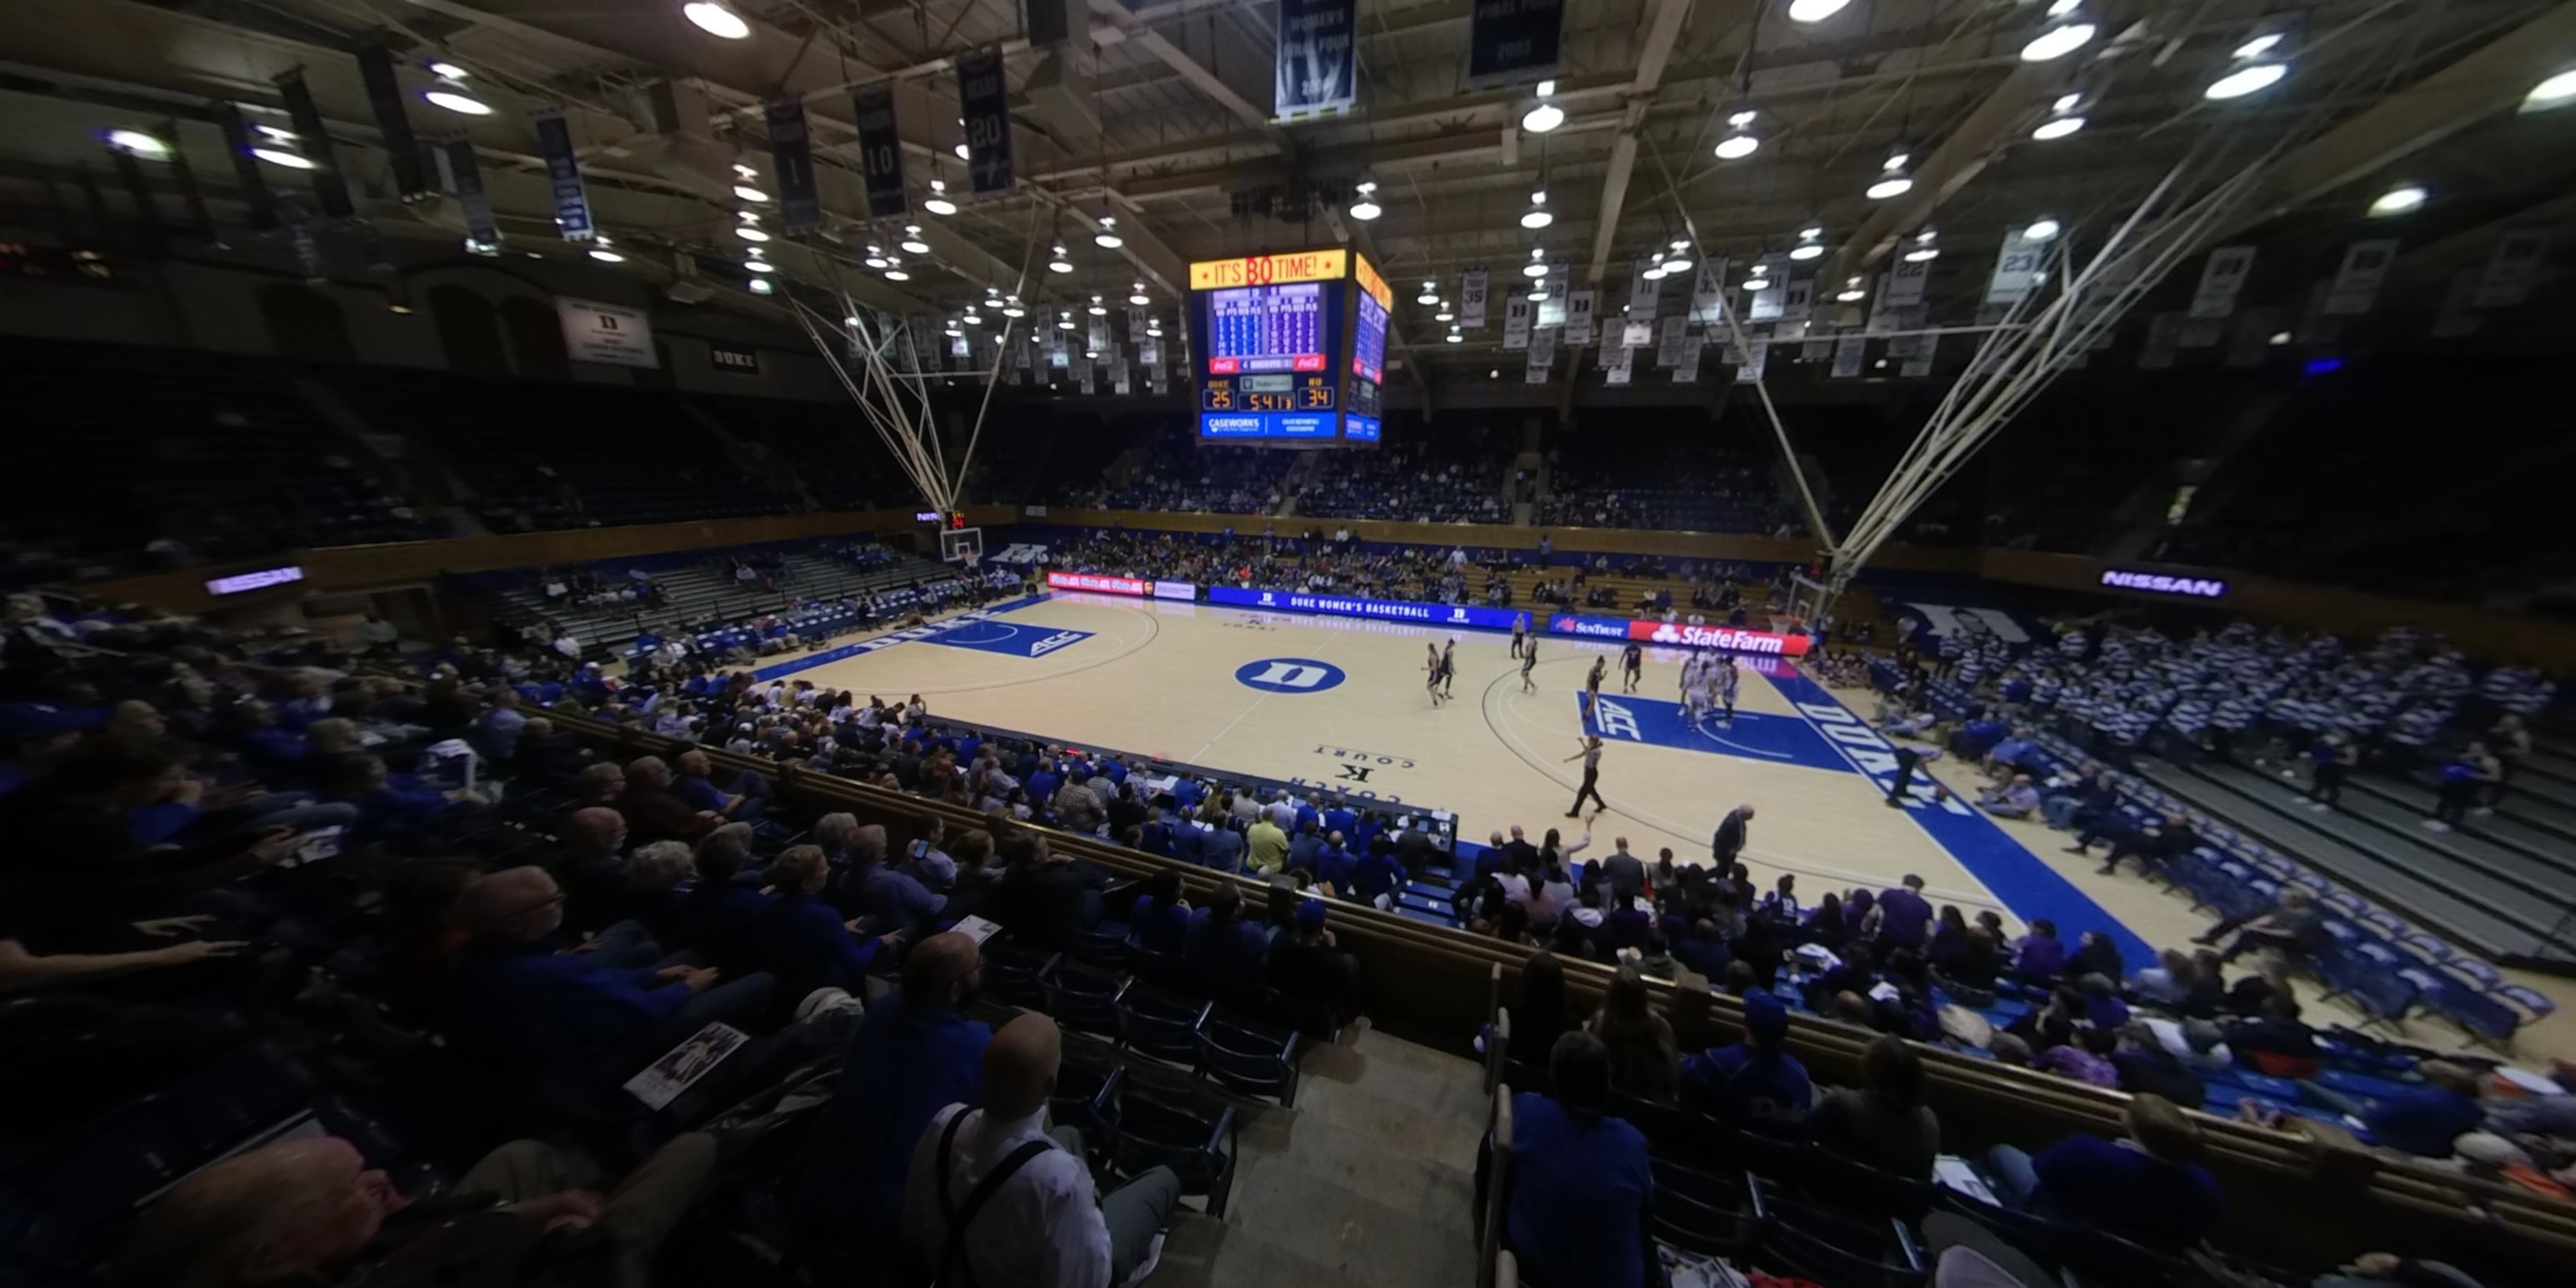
1904 915
1304 847
1579 1181
2148 1187
803 940
1223 846
2422 1120
1335 864
716 916
912 1055
880 893
1224 949
743 801
1756 1082
1160 921
496 734
2040 956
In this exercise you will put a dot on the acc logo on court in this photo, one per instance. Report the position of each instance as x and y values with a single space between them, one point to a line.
1289 675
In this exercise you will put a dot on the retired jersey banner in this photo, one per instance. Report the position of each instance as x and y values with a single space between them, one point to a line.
791 156
880 152
2356 282
1578 318
465 175
1643 291
330 188
1668 345
1757 355
563 176
1849 351
2221 280
2019 266
1685 363
1471 298
1516 323
984 100
2510 270
1510 41
1318 68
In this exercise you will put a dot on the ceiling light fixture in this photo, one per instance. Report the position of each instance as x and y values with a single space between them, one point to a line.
606 256
1537 216
2557 91
716 20
2041 229
1107 238
289 158
761 286
750 233
1546 116
1810 244
1852 291
1059 263
897 275
760 266
1454 338
2278 339
2259 45
937 202
448 70
1444 315
452 95
1893 182
1538 290
2397 201
1366 208
1740 143
2060 39
1097 309
1140 298
147 146
1815 10
2057 127
1430 294
2253 70
912 243
1760 280
748 193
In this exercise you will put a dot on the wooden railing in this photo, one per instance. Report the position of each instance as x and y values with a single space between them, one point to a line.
2288 1197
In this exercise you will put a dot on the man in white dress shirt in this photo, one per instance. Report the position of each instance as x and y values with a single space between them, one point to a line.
1040 1226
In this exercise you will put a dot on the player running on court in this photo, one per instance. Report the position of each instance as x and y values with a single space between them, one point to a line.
1449 668
1431 672
1529 658
1592 683
1632 666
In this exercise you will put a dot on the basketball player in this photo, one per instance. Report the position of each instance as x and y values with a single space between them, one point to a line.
1520 633
1592 683
1529 658
1591 758
1727 678
1431 672
1449 668
1632 667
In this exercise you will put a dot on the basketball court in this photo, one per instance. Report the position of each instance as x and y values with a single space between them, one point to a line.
1340 703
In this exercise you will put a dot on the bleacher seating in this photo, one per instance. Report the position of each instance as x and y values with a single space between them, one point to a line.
1675 472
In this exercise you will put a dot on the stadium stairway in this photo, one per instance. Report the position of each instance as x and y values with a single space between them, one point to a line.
1369 1181
2494 911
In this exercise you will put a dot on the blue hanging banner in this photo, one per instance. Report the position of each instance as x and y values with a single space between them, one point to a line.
563 174
314 142
1319 58
791 155
465 174
984 99
1509 41
880 151
402 149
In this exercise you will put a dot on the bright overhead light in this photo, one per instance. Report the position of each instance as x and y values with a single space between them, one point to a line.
937 202
1852 295
1455 338
1736 147
760 266
1922 254
1429 295
2398 200
1533 270
1097 309
2259 45
716 20
748 193
1677 265
1014 311
912 244
741 171
1064 324
1895 162
2057 127
1059 264
2040 230
458 101
606 256
897 275
2066 103
1538 290
1107 238
2278 339
962 153
1365 209
1546 116
448 71
1655 274
1760 281
1444 315
2553 92
1815 10
761 286
1536 217
749 233
874 261
281 156
1895 185
1140 299
2057 42
147 146
1807 252
2249 79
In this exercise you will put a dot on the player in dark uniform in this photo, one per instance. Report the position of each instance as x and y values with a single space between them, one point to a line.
1449 669
1727 678
1431 672
1632 666
1529 658
1592 683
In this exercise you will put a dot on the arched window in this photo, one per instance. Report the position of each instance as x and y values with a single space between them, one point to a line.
536 338
305 324
468 331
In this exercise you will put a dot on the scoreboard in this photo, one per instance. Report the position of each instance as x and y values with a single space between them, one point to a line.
1275 336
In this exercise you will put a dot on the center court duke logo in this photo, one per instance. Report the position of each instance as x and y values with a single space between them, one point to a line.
1289 675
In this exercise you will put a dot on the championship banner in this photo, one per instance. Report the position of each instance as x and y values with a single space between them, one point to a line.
1905 281
984 100
1797 301
1098 334
2507 278
1511 41
1685 362
1730 638
2356 282
1668 346
1770 303
791 160
314 142
2221 279
1757 355
1578 318
1643 291
2019 267
1618 368
880 152
1919 363
1849 351
1318 68
1471 298
1542 347
1135 323
1150 351
1636 335
1708 290
402 148
1536 372
1118 383
608 333
1516 323
563 176
465 176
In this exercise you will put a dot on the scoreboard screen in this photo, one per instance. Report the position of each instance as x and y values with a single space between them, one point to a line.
1273 335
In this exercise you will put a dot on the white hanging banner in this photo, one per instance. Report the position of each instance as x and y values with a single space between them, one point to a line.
1136 322
1578 318
1022 351
957 346
1905 282
2019 268
1542 347
1618 367
1919 364
1685 363
1118 381
1099 332
1668 345
1516 323
1536 373
1551 312
2164 332
1471 299
1798 301
1883 310
1150 350
2510 271
1768 304
2221 279
1757 355
2356 282
1708 289
1636 335
1154 380
1643 291
1849 351
2459 316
